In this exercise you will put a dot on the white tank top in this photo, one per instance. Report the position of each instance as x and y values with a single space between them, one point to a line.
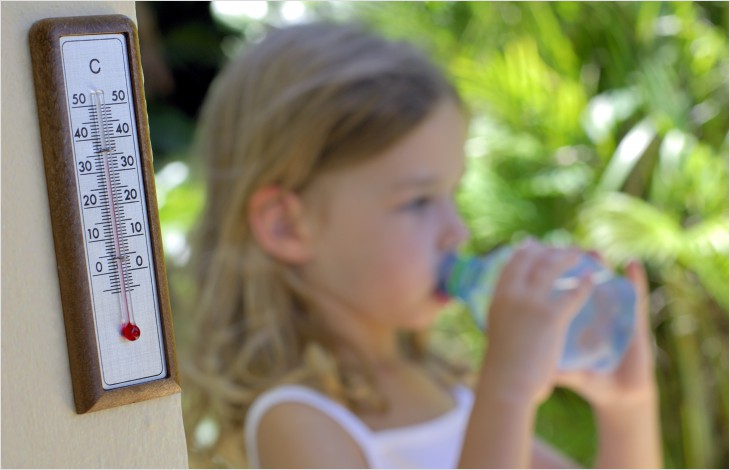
433 444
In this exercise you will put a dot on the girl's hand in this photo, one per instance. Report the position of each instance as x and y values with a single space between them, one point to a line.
528 323
633 380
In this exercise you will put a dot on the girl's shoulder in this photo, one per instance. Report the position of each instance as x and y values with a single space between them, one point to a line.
288 407
284 410
300 394
308 396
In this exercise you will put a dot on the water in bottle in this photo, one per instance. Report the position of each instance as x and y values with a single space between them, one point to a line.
598 335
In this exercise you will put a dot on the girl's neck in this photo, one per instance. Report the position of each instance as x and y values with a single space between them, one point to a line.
374 343
378 347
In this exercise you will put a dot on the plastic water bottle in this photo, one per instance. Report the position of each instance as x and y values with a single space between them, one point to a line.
598 335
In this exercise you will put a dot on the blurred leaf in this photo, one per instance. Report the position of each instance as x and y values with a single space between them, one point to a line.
551 38
621 226
659 83
627 155
182 207
706 254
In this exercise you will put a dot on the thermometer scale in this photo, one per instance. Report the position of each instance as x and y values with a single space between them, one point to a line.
112 202
103 210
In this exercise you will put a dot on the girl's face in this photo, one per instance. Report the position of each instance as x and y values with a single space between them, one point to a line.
379 229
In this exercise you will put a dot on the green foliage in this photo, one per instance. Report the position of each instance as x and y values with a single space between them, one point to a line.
602 124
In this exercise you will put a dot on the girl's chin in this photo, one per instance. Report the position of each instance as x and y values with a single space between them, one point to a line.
425 315
429 314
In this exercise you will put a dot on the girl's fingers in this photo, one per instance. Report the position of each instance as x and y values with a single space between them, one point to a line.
595 254
550 266
637 275
570 379
537 267
520 262
572 300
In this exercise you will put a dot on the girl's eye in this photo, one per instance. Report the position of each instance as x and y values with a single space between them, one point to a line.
418 203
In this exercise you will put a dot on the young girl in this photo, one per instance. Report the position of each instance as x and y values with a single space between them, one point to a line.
332 157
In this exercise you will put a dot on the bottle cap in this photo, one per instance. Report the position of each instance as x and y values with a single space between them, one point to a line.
444 273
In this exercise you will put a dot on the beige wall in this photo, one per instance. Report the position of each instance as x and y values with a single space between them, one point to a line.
40 427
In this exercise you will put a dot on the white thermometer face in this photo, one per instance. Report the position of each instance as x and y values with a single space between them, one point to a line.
112 203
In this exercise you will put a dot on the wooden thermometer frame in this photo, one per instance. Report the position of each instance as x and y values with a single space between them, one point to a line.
68 238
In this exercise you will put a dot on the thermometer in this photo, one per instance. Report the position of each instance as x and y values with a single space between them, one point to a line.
103 210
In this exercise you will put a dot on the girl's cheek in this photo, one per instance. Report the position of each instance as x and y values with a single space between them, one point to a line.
412 241
415 258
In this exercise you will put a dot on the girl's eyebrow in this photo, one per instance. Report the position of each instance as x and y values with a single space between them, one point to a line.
415 181
419 181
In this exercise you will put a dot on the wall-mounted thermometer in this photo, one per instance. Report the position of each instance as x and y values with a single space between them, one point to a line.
106 231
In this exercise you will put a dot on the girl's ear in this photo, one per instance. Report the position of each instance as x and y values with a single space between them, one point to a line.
277 223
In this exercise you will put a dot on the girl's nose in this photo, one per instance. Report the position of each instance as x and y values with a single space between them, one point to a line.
455 232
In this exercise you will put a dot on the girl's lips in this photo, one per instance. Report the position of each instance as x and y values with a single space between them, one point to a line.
441 297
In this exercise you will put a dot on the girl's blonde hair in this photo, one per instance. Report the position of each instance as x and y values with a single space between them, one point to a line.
305 100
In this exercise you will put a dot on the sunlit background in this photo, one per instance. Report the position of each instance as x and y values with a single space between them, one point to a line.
601 124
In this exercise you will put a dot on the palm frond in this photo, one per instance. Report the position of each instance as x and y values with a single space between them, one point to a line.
622 227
